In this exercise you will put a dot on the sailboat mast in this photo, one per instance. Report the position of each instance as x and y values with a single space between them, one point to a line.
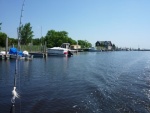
20 23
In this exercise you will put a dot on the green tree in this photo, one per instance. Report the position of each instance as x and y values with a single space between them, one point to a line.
49 38
42 40
12 41
3 37
84 44
36 41
113 47
71 41
26 33
56 38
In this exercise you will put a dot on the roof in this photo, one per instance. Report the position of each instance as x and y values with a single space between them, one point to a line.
104 42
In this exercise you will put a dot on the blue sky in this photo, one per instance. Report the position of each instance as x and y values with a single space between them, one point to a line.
124 22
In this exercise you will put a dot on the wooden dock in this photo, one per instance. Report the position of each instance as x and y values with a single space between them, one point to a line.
2 57
38 54
34 54
6 57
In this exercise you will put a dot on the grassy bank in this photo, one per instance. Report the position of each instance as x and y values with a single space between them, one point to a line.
30 48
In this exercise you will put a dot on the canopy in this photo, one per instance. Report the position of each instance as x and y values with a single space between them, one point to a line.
20 53
15 51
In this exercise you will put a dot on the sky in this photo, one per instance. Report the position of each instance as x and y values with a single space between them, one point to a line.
126 23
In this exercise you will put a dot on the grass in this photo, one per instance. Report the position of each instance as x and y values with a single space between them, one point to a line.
33 48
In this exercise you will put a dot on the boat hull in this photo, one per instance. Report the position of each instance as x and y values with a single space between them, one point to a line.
57 51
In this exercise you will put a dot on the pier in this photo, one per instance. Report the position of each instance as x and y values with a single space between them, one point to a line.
38 54
7 56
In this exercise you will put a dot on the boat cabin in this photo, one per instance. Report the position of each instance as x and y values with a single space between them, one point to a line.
65 45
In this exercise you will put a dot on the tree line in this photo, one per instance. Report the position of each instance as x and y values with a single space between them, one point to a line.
53 38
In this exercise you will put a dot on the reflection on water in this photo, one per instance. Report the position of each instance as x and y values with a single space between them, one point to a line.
103 82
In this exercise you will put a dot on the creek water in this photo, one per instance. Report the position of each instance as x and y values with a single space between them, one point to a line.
88 82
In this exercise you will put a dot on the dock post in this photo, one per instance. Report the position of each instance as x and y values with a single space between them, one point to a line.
6 49
45 53
6 56
3 56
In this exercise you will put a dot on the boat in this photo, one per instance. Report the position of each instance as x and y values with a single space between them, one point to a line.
93 49
2 53
27 56
14 53
63 50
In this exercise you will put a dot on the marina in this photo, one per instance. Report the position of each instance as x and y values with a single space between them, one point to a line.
80 57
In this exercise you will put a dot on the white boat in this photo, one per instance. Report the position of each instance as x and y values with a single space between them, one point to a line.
2 53
27 56
60 51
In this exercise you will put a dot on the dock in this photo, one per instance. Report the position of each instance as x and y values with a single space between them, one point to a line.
2 57
33 54
38 54
6 57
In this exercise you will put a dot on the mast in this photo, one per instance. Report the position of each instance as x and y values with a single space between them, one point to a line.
41 31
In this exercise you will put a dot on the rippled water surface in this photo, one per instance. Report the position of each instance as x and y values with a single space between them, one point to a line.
104 82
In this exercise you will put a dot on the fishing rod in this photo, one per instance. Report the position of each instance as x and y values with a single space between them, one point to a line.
14 92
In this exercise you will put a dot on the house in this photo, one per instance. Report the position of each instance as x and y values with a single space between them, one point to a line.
106 45
75 47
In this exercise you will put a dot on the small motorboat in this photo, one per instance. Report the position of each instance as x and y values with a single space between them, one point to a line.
64 50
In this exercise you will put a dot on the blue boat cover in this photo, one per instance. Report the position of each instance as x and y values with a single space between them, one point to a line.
15 51
20 53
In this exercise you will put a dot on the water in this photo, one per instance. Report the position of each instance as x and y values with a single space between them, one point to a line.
104 82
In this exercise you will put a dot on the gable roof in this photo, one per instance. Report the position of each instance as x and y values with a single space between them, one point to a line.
108 43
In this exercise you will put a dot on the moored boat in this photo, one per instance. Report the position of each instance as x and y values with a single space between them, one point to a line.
60 51
93 49
27 56
14 53
2 53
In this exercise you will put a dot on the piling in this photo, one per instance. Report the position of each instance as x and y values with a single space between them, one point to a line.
45 48
6 56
